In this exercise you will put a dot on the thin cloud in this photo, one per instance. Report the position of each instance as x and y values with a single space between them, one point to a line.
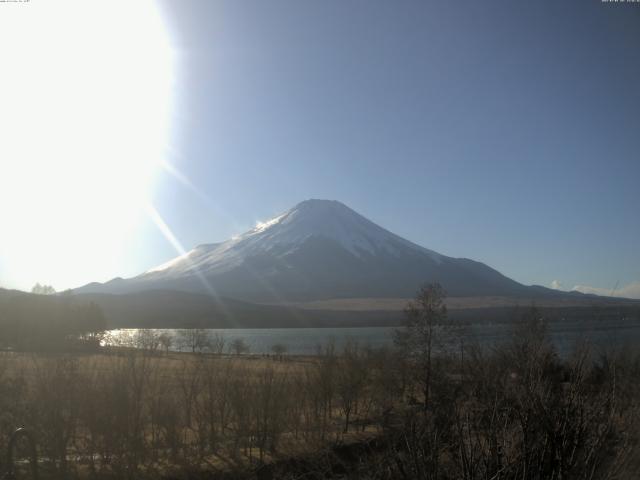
557 285
629 291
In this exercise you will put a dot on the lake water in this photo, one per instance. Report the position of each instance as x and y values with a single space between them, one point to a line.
305 341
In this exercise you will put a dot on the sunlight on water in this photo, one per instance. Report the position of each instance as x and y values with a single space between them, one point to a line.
306 341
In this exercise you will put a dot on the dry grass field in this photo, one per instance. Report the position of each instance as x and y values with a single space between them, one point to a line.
472 413
132 413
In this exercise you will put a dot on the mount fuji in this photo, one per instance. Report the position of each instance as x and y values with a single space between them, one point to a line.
318 250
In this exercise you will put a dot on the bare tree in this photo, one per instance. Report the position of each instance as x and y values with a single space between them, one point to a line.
351 380
146 339
270 403
321 383
59 381
217 343
166 341
426 317
279 350
194 339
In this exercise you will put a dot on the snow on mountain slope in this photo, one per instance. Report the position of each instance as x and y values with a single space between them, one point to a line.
285 233
320 249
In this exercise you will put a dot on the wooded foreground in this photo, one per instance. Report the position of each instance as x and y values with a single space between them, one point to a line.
432 407
515 411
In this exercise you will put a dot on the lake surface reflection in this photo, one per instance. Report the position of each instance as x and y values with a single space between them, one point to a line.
305 341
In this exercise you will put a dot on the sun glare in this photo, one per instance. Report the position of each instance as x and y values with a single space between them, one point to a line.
84 112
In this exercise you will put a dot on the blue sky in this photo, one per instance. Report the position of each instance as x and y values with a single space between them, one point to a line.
507 132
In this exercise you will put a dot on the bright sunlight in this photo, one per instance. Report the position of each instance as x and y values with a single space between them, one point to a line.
84 112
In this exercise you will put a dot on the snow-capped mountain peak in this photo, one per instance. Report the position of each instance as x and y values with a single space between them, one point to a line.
322 219
318 249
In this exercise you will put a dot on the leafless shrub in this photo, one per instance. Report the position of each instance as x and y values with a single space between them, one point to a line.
58 383
217 343
239 346
351 380
194 339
